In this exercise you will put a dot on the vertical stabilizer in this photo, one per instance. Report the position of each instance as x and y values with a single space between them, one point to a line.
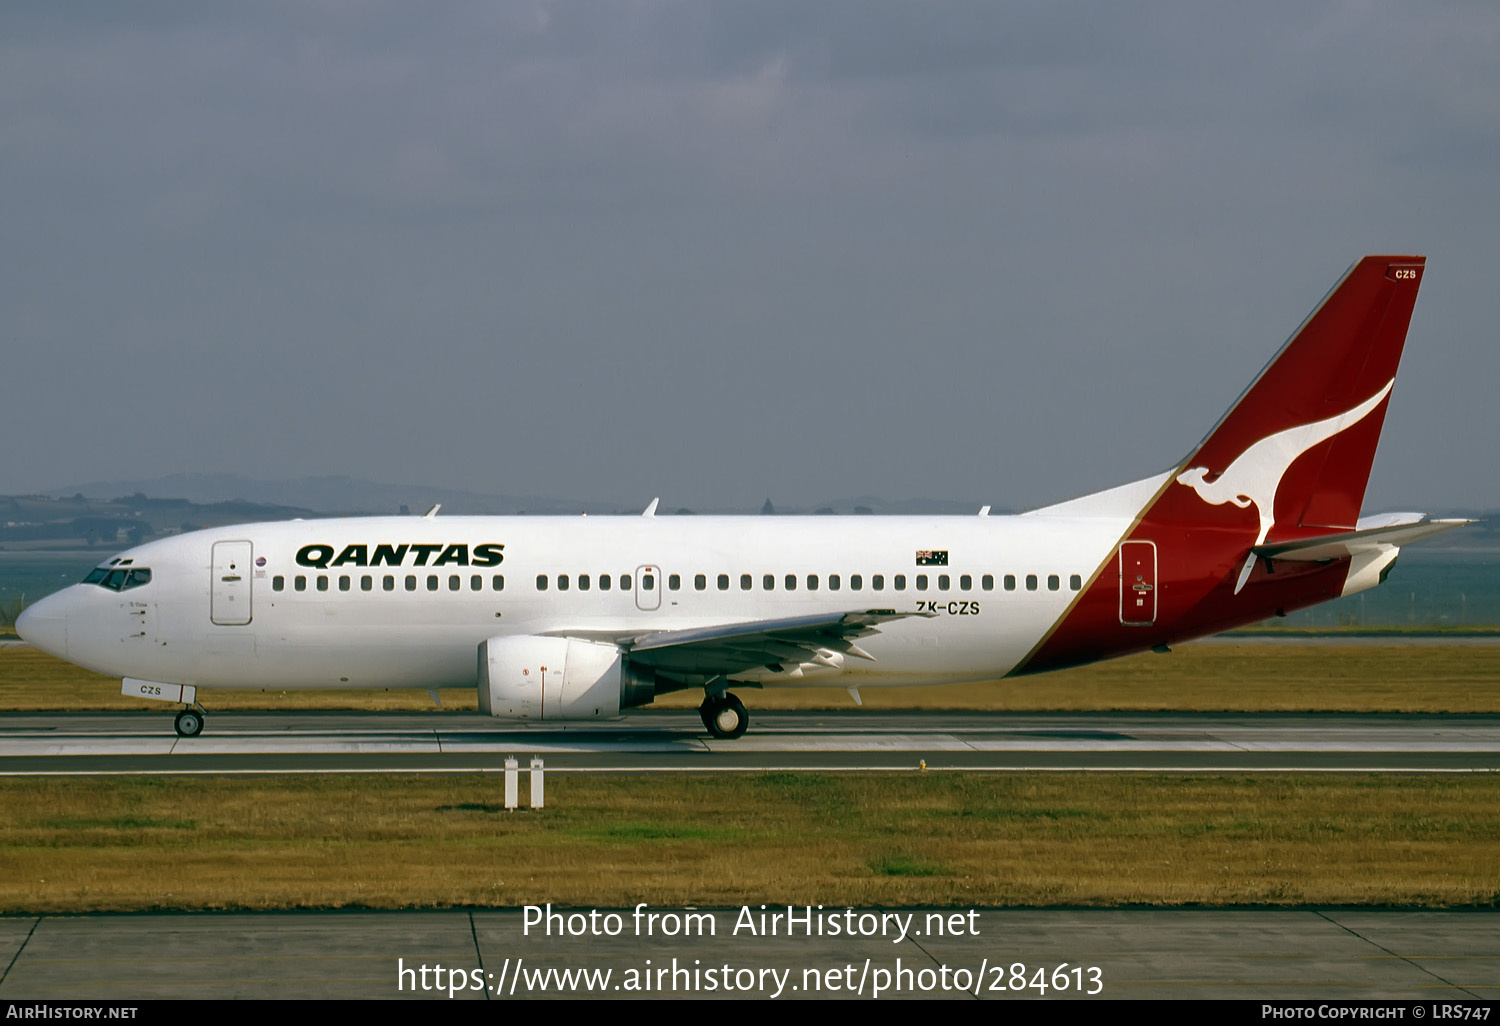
1288 462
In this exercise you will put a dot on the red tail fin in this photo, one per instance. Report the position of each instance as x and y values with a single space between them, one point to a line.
1298 444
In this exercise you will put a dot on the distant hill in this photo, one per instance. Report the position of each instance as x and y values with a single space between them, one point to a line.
76 521
178 501
333 494
341 495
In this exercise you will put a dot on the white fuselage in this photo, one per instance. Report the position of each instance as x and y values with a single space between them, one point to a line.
340 624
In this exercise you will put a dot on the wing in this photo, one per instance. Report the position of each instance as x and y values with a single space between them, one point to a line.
778 645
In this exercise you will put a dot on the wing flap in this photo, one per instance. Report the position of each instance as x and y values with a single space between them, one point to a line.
736 647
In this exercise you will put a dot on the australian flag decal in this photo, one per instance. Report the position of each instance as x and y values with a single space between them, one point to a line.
932 557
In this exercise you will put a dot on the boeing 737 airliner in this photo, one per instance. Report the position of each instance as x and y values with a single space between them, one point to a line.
560 619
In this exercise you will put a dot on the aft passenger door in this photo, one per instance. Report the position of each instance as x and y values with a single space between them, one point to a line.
230 602
1138 583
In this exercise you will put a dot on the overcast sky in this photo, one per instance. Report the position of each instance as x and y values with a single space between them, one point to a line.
1005 252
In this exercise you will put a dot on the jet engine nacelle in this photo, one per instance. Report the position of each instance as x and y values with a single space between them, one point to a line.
527 677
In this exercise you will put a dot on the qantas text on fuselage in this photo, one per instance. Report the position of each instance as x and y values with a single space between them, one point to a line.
580 618
321 555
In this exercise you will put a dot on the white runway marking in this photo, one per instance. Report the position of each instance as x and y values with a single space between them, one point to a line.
425 743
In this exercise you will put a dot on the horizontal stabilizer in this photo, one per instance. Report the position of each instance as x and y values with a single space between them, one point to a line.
1364 539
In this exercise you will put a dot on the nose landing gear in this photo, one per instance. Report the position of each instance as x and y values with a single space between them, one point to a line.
189 722
724 716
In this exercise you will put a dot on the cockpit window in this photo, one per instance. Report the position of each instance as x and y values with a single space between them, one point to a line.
119 578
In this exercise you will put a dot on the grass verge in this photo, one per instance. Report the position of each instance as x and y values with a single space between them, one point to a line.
1204 677
91 844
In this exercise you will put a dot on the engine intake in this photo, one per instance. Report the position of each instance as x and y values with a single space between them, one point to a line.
528 677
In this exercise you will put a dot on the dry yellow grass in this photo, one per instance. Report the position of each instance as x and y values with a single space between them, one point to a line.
32 680
1252 677
73 845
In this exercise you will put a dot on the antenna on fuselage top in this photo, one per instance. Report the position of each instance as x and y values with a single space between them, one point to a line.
650 510
984 511
433 511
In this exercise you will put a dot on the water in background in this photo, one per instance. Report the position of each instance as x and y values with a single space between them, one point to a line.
35 575
1426 589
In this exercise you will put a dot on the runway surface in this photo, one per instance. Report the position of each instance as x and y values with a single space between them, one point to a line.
1305 955
657 740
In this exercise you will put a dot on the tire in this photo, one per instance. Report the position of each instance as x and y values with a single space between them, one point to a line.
189 723
729 718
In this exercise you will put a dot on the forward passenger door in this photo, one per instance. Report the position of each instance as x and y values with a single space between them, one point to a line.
232 574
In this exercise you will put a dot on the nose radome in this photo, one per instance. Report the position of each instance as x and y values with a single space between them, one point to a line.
47 630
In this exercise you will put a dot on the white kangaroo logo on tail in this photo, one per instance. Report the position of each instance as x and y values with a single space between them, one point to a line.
1256 473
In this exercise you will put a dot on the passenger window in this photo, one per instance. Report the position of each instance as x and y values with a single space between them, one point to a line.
299 582
497 583
562 582
723 582
1010 582
1031 582
966 582
745 582
833 582
583 582
700 582
411 582
856 582
812 582
791 582
476 582
648 582
278 583
921 582
388 582
541 582
674 582
605 581
900 582
768 582
942 582
878 582
1053 582
455 582
366 583
1075 582
344 582
432 582
322 582
624 582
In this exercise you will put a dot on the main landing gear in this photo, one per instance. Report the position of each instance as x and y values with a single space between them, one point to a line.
724 715
189 723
